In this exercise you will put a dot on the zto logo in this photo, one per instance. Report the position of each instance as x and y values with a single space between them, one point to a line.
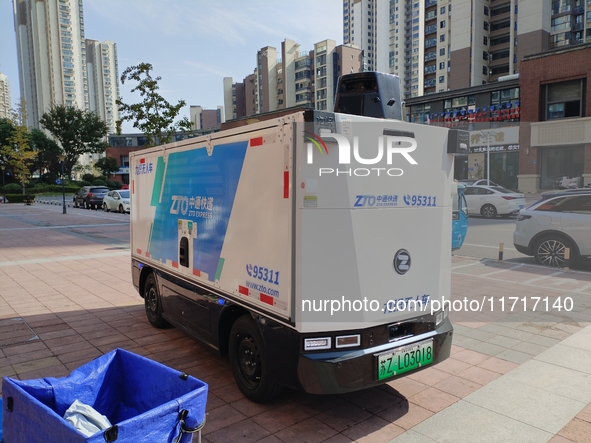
402 262
388 146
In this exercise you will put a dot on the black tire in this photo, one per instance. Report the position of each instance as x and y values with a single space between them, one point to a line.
121 210
153 303
249 361
76 205
549 251
105 207
488 211
85 205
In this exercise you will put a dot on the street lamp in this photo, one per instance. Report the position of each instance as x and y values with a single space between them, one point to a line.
488 135
62 159
3 189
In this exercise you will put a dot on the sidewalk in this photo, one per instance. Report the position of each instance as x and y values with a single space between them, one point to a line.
66 297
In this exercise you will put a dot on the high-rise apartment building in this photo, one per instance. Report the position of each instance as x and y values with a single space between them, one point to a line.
5 104
298 78
103 81
58 66
51 54
435 46
206 118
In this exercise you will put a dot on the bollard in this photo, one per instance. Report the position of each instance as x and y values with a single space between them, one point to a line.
501 245
566 258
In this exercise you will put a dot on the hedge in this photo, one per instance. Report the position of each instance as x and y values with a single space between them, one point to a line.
20 198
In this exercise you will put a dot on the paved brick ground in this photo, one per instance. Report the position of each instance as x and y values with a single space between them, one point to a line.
66 297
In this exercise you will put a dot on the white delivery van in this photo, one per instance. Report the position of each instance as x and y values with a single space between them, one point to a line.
309 247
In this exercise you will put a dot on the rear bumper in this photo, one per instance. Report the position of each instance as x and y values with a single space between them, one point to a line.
346 371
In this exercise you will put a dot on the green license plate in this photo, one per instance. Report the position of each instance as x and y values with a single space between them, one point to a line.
405 359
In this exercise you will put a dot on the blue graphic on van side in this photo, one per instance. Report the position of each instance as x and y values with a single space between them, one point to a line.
194 176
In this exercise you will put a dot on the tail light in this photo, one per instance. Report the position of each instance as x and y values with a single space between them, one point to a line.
90 195
523 217
507 197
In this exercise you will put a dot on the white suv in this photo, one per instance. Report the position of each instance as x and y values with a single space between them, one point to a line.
548 227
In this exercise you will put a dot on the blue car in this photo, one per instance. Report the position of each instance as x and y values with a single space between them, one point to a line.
459 224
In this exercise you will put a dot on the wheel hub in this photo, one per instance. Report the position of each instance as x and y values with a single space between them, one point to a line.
248 355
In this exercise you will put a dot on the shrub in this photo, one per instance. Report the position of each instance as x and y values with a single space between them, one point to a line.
88 178
117 184
13 188
84 183
20 198
99 182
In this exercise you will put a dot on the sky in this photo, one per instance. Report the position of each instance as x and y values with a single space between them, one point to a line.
191 44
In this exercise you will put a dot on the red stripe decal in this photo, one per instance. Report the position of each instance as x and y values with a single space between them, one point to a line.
147 254
139 251
285 184
243 290
266 299
197 272
142 160
256 141
133 186
175 264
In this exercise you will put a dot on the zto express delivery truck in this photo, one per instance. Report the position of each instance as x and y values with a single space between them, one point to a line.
313 248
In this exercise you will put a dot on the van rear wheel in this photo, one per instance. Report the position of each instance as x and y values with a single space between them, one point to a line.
153 303
250 361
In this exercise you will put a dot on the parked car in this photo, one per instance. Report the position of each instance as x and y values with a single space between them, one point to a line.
117 201
490 201
480 182
90 197
548 227
125 186
572 191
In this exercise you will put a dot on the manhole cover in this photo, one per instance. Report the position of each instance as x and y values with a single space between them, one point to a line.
14 331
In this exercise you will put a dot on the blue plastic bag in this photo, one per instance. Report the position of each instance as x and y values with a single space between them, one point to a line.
145 400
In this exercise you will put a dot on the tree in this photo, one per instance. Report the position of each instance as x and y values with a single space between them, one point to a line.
107 165
154 116
47 153
16 152
77 131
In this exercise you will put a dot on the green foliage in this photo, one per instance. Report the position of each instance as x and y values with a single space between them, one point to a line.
107 165
77 131
114 184
16 153
99 182
85 183
47 153
13 188
154 116
20 198
88 177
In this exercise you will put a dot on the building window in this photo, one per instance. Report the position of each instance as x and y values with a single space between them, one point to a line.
564 99
486 26
441 79
484 70
486 10
485 40
442 38
442 24
442 65
442 51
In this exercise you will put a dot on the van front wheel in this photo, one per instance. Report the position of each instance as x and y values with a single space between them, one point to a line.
250 362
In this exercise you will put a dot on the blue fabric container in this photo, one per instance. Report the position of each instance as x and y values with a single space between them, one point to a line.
144 400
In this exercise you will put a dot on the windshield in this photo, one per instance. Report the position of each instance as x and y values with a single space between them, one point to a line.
124 194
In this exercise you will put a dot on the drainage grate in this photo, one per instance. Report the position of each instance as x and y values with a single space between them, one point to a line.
14 331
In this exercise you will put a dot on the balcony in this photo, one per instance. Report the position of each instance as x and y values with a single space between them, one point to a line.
578 10
430 29
431 83
430 69
429 3
430 56
430 15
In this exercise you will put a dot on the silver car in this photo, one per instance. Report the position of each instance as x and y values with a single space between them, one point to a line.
548 227
117 201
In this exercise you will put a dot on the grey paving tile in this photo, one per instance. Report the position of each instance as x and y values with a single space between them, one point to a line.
464 422
556 379
529 348
502 340
514 356
567 357
412 437
487 348
527 404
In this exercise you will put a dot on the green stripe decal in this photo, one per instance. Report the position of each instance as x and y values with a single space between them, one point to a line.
158 180
150 237
218 271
